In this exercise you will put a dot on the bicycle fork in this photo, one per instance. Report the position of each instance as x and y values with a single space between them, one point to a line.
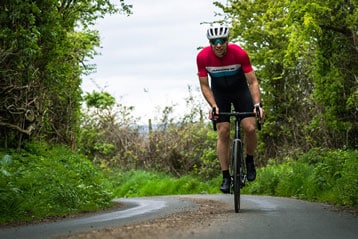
240 154
240 164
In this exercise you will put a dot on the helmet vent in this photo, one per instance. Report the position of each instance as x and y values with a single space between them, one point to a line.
218 31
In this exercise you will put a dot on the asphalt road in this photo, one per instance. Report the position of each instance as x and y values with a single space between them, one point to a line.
260 217
271 217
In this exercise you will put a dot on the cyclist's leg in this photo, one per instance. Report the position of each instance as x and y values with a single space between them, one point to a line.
243 103
223 151
223 144
250 137
223 126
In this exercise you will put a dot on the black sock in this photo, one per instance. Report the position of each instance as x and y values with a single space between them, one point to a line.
249 158
226 174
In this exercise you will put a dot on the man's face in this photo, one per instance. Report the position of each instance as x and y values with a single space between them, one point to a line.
219 46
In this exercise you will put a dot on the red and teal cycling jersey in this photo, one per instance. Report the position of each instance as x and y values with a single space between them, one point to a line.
226 73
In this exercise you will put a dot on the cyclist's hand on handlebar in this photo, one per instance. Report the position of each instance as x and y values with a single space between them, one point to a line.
262 113
211 115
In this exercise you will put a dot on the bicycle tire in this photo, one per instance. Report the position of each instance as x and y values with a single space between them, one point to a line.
236 162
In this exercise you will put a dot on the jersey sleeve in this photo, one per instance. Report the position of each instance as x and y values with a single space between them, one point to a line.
200 62
245 63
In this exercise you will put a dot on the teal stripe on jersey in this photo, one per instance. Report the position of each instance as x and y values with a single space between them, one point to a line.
220 71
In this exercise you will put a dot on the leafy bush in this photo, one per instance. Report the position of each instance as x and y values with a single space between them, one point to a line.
42 181
346 189
108 134
319 175
179 149
293 179
266 181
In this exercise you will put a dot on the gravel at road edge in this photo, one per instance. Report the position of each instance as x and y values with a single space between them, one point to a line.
176 225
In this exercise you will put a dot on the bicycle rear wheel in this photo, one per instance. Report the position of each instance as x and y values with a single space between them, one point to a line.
236 163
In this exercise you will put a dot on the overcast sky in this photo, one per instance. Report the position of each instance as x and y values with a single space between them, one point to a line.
149 58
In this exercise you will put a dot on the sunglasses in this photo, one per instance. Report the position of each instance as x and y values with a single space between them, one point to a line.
218 41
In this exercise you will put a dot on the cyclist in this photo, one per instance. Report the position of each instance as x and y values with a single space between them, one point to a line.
233 82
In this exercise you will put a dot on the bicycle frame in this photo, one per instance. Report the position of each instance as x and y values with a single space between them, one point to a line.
237 165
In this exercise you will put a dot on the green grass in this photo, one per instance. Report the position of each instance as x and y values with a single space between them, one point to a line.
45 181
320 175
144 183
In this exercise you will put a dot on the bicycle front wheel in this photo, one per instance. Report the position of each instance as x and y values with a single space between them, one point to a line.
236 164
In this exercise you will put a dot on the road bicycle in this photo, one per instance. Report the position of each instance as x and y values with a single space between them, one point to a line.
237 166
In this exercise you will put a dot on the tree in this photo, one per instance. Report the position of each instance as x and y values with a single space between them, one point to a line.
44 45
333 29
305 53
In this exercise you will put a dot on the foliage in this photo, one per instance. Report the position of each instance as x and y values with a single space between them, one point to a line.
332 29
99 100
43 51
109 134
319 175
146 183
44 181
305 53
182 149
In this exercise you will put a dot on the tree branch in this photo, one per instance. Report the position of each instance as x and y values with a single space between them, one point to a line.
28 131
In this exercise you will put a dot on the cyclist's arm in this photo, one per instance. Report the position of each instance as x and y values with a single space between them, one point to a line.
254 89
204 80
206 91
